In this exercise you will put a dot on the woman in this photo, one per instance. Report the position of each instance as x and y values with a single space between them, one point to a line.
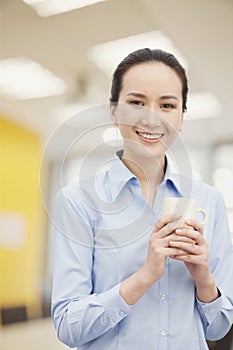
124 278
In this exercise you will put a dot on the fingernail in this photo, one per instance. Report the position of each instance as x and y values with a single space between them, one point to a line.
178 231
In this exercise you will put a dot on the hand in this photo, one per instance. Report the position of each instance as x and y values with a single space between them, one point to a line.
197 255
197 260
159 247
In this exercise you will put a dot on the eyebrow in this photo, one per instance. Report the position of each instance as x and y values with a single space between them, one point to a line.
136 94
169 97
164 97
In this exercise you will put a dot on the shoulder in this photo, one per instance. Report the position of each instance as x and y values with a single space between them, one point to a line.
73 191
85 192
203 189
197 189
208 197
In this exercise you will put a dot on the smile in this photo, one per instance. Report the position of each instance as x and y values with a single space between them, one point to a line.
149 136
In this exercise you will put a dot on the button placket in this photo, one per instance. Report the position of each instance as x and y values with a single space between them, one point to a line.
163 333
163 308
163 297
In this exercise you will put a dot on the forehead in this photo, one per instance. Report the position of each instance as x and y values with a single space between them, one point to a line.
150 76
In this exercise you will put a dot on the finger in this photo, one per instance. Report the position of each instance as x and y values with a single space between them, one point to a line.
174 252
166 230
164 221
187 247
191 233
196 225
193 259
174 237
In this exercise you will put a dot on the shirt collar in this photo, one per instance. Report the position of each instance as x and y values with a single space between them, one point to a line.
119 175
181 183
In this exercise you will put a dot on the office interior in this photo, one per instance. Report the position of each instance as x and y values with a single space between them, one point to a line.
55 72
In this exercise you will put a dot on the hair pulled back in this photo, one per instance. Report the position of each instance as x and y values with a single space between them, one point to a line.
145 56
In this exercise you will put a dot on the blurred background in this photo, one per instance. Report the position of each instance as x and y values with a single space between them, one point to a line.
56 60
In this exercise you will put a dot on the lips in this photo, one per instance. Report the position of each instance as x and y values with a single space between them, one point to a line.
149 136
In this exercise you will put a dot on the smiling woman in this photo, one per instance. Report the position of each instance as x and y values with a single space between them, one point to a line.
149 110
122 274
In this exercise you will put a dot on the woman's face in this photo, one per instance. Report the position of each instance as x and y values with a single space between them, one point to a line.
149 111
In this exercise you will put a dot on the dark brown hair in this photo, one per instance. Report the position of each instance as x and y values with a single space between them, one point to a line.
143 56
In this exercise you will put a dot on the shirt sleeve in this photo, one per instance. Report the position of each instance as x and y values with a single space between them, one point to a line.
217 316
79 315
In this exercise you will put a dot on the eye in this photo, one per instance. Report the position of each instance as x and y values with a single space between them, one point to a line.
168 106
136 102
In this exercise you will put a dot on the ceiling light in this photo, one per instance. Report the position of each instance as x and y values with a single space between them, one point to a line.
108 55
65 112
22 79
47 8
202 105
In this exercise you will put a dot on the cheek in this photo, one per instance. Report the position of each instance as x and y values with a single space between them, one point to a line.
128 115
177 126
173 124
125 130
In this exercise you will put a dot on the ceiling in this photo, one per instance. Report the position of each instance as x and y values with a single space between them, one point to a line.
201 29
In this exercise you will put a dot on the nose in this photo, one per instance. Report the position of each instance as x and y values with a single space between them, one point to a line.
151 119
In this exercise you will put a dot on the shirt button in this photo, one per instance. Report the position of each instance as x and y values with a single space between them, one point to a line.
163 296
122 313
163 333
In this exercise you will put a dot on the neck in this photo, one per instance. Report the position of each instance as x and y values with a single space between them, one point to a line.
147 170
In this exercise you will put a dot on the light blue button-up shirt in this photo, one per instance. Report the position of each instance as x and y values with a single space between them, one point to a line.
101 231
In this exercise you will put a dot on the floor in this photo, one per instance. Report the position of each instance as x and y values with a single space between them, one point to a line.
33 335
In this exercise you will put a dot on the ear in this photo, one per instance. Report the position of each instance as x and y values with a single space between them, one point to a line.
113 109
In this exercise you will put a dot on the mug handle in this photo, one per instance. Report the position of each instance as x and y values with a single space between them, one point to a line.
205 215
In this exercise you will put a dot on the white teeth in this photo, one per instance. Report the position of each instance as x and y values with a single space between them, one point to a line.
150 136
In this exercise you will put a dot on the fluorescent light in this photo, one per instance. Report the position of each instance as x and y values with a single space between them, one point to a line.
201 105
108 55
22 79
67 111
47 8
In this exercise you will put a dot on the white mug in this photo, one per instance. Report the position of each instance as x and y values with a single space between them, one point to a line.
187 208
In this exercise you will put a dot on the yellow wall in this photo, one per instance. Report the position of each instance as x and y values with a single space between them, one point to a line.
21 265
